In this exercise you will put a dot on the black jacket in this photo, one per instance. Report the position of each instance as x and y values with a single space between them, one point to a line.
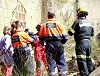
81 29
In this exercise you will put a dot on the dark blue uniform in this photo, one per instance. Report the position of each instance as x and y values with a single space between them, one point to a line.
82 30
54 34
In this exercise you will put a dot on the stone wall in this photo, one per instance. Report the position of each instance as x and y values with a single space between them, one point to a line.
28 11
93 7
36 12
47 5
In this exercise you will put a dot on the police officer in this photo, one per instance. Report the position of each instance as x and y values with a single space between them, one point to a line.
82 30
54 34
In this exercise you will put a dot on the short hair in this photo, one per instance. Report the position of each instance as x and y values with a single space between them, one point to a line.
51 14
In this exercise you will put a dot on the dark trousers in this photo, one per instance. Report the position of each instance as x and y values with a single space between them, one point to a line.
55 56
20 67
83 51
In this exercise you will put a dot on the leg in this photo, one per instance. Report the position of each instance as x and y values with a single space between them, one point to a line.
61 65
9 70
30 65
89 61
45 60
81 48
38 57
50 61
89 65
51 65
38 68
82 66
3 69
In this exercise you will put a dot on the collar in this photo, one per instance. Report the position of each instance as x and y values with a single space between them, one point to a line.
51 19
17 30
82 18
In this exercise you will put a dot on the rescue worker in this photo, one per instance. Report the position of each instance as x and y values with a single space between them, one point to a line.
39 52
82 30
19 42
54 34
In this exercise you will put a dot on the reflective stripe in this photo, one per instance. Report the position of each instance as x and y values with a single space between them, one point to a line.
52 73
88 56
86 24
53 36
83 56
92 32
19 47
62 72
72 30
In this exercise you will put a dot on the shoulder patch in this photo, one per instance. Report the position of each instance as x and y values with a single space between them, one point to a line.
50 25
15 39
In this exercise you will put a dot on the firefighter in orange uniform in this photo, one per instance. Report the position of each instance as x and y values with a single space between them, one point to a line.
39 52
54 34
19 42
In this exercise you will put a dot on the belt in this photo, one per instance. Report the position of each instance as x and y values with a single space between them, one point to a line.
82 39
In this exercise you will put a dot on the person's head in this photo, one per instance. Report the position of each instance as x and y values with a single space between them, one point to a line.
16 25
38 26
51 15
27 30
6 30
82 12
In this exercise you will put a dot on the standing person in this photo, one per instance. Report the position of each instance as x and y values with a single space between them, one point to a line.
82 30
39 52
6 52
19 42
54 34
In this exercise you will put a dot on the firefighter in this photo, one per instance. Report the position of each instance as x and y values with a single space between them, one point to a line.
19 42
82 30
39 52
54 34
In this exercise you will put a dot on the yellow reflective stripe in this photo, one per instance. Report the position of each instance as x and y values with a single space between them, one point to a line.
92 32
83 56
88 56
72 30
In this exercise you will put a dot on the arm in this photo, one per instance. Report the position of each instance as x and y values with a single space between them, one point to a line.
31 35
71 31
92 34
28 38
64 36
7 43
41 34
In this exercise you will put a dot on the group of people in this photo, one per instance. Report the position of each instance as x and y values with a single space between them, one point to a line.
48 43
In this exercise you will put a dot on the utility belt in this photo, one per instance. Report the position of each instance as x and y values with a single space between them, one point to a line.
81 39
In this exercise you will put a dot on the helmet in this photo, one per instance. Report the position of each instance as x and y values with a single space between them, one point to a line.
39 25
82 11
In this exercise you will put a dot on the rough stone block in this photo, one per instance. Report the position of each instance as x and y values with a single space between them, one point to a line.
5 12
